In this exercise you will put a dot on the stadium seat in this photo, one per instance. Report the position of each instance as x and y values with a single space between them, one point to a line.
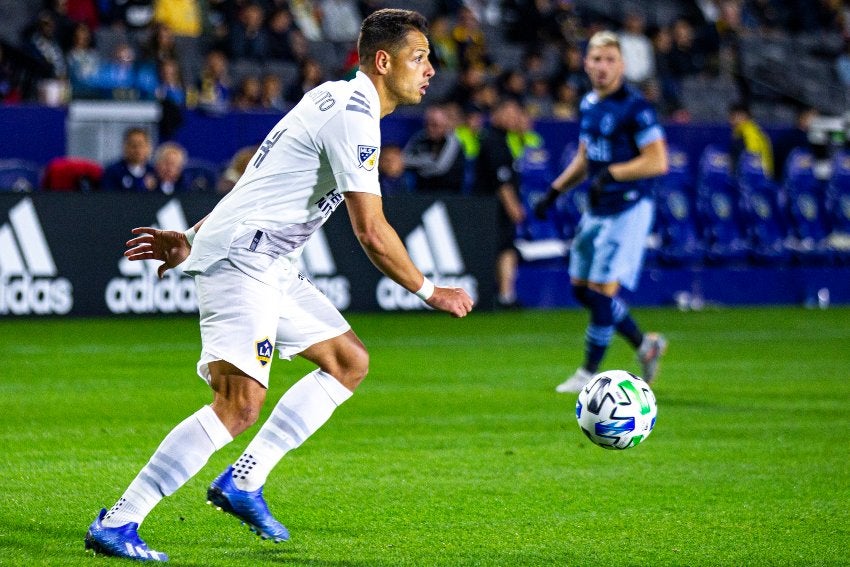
676 232
18 176
717 209
200 176
67 174
806 209
537 239
765 227
838 208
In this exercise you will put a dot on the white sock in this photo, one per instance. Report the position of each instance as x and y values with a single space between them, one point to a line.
302 410
183 452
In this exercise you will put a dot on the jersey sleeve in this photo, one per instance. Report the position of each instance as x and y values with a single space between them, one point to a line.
647 127
352 142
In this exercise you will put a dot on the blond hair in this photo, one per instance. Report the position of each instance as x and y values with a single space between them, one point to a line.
604 38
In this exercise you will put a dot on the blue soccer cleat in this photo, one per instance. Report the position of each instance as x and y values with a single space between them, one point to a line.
123 541
250 507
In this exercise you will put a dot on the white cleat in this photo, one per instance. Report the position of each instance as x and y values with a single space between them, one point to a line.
574 383
651 350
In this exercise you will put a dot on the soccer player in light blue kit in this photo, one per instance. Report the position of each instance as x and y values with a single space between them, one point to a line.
621 147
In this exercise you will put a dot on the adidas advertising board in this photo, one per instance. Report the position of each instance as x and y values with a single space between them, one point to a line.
29 281
62 254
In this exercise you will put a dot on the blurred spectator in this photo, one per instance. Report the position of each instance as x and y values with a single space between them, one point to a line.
169 161
160 45
123 78
281 29
765 16
10 87
185 18
472 45
42 44
171 86
571 70
248 95
271 97
685 59
306 16
64 25
134 172
468 133
392 175
434 155
496 177
172 97
512 84
134 16
539 102
310 75
797 136
638 53
340 21
748 136
669 83
214 87
248 37
235 168
470 79
444 49
83 61
83 12
565 105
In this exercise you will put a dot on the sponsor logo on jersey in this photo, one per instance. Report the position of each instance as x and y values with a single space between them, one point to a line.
264 351
433 248
29 281
368 156
139 289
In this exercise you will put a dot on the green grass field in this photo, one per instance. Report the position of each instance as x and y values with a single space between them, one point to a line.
456 450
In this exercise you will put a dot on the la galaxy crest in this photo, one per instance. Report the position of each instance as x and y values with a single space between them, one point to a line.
368 157
264 351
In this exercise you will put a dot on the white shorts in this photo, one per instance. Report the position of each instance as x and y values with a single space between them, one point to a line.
610 248
243 320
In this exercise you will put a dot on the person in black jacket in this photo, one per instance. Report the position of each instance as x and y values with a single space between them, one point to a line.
435 156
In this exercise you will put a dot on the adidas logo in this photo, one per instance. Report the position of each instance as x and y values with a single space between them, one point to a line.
139 289
433 248
318 264
28 275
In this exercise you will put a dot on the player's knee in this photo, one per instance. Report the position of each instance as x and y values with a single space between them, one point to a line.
237 414
352 367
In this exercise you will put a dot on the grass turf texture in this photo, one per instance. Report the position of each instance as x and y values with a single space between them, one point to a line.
456 450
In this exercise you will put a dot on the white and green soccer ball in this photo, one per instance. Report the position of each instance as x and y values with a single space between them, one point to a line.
616 409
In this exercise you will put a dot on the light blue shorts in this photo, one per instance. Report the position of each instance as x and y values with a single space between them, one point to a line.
610 248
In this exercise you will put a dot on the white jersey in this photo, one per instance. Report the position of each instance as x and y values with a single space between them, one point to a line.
327 145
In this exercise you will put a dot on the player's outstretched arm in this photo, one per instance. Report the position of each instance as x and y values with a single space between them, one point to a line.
169 246
387 252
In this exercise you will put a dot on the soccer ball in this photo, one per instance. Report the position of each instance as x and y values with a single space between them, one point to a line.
616 409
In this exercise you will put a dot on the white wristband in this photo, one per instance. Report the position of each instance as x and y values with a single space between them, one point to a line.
426 291
190 234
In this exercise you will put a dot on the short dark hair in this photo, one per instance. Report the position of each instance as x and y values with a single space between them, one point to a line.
387 30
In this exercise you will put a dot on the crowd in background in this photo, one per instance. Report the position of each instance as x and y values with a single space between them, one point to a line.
263 55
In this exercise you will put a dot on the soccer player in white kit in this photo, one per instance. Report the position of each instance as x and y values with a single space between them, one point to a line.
252 299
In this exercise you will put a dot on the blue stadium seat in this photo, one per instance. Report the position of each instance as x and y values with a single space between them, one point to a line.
676 229
806 209
718 210
762 216
535 173
18 176
838 208
201 176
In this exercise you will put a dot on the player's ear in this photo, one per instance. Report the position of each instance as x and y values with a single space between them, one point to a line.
382 62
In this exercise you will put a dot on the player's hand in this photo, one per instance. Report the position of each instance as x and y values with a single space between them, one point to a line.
597 186
168 246
541 208
453 300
